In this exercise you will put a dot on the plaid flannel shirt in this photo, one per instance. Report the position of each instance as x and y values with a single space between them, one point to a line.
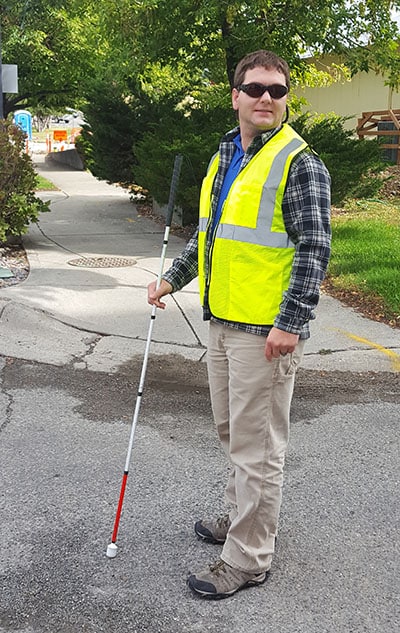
306 214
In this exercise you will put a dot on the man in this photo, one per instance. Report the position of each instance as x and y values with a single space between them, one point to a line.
261 252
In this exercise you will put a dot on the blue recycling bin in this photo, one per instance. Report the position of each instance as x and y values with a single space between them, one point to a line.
23 119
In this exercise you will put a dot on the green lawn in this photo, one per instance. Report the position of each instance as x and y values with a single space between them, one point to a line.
40 137
42 184
366 253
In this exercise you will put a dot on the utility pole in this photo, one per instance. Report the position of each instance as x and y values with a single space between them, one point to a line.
1 83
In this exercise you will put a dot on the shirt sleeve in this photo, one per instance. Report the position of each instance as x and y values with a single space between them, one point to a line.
184 268
306 213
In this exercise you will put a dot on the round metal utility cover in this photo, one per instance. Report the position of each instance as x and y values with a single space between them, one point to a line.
102 262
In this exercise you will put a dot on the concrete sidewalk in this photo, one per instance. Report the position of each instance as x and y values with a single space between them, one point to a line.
106 308
91 219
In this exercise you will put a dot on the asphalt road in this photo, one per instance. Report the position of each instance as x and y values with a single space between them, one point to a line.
63 445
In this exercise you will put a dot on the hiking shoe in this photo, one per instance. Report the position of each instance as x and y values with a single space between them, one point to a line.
220 580
213 531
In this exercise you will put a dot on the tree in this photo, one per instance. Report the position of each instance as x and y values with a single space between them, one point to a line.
60 45
173 61
56 47
215 34
132 65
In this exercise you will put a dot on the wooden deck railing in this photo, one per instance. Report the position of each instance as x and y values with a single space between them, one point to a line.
382 123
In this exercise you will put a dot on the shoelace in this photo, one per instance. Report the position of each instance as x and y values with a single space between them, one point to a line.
218 567
223 522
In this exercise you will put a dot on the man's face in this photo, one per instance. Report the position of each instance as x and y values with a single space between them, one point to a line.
256 115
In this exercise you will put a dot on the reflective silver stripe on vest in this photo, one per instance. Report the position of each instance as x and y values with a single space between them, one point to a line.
203 224
262 234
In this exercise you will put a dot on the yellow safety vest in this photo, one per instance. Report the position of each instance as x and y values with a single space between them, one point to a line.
247 269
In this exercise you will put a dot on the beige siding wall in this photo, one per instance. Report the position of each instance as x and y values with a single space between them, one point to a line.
364 93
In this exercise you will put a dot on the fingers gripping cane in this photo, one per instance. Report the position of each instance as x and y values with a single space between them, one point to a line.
112 547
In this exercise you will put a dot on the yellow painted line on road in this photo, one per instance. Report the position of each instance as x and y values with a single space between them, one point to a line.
395 358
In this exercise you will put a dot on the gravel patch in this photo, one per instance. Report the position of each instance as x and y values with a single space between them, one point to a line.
13 258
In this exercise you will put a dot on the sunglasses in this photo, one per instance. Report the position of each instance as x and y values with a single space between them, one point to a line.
255 90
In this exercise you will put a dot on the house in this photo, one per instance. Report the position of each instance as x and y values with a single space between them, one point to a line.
365 92
372 108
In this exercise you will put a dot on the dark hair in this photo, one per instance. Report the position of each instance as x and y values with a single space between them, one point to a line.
267 59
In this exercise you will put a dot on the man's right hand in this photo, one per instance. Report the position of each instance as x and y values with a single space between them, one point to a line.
154 296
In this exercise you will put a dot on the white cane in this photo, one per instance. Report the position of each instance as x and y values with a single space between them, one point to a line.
112 547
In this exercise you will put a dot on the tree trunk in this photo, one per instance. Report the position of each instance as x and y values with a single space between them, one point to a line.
226 30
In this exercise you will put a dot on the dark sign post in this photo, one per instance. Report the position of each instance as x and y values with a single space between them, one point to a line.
1 84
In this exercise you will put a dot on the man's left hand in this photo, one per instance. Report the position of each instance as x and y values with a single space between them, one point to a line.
280 343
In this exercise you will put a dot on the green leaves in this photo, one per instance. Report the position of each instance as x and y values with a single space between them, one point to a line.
61 47
54 49
18 204
352 163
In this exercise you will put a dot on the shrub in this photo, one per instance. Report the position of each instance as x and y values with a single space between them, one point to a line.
156 153
194 133
133 140
19 205
115 123
105 143
132 136
354 164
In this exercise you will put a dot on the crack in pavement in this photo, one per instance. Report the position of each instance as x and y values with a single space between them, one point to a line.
10 400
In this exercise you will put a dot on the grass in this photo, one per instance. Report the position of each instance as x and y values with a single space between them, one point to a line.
42 184
365 262
40 137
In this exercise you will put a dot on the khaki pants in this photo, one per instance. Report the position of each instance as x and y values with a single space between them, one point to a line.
251 399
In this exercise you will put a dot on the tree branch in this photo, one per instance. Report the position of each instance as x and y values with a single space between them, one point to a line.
11 103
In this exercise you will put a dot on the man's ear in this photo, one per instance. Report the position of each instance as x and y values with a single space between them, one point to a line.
235 96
